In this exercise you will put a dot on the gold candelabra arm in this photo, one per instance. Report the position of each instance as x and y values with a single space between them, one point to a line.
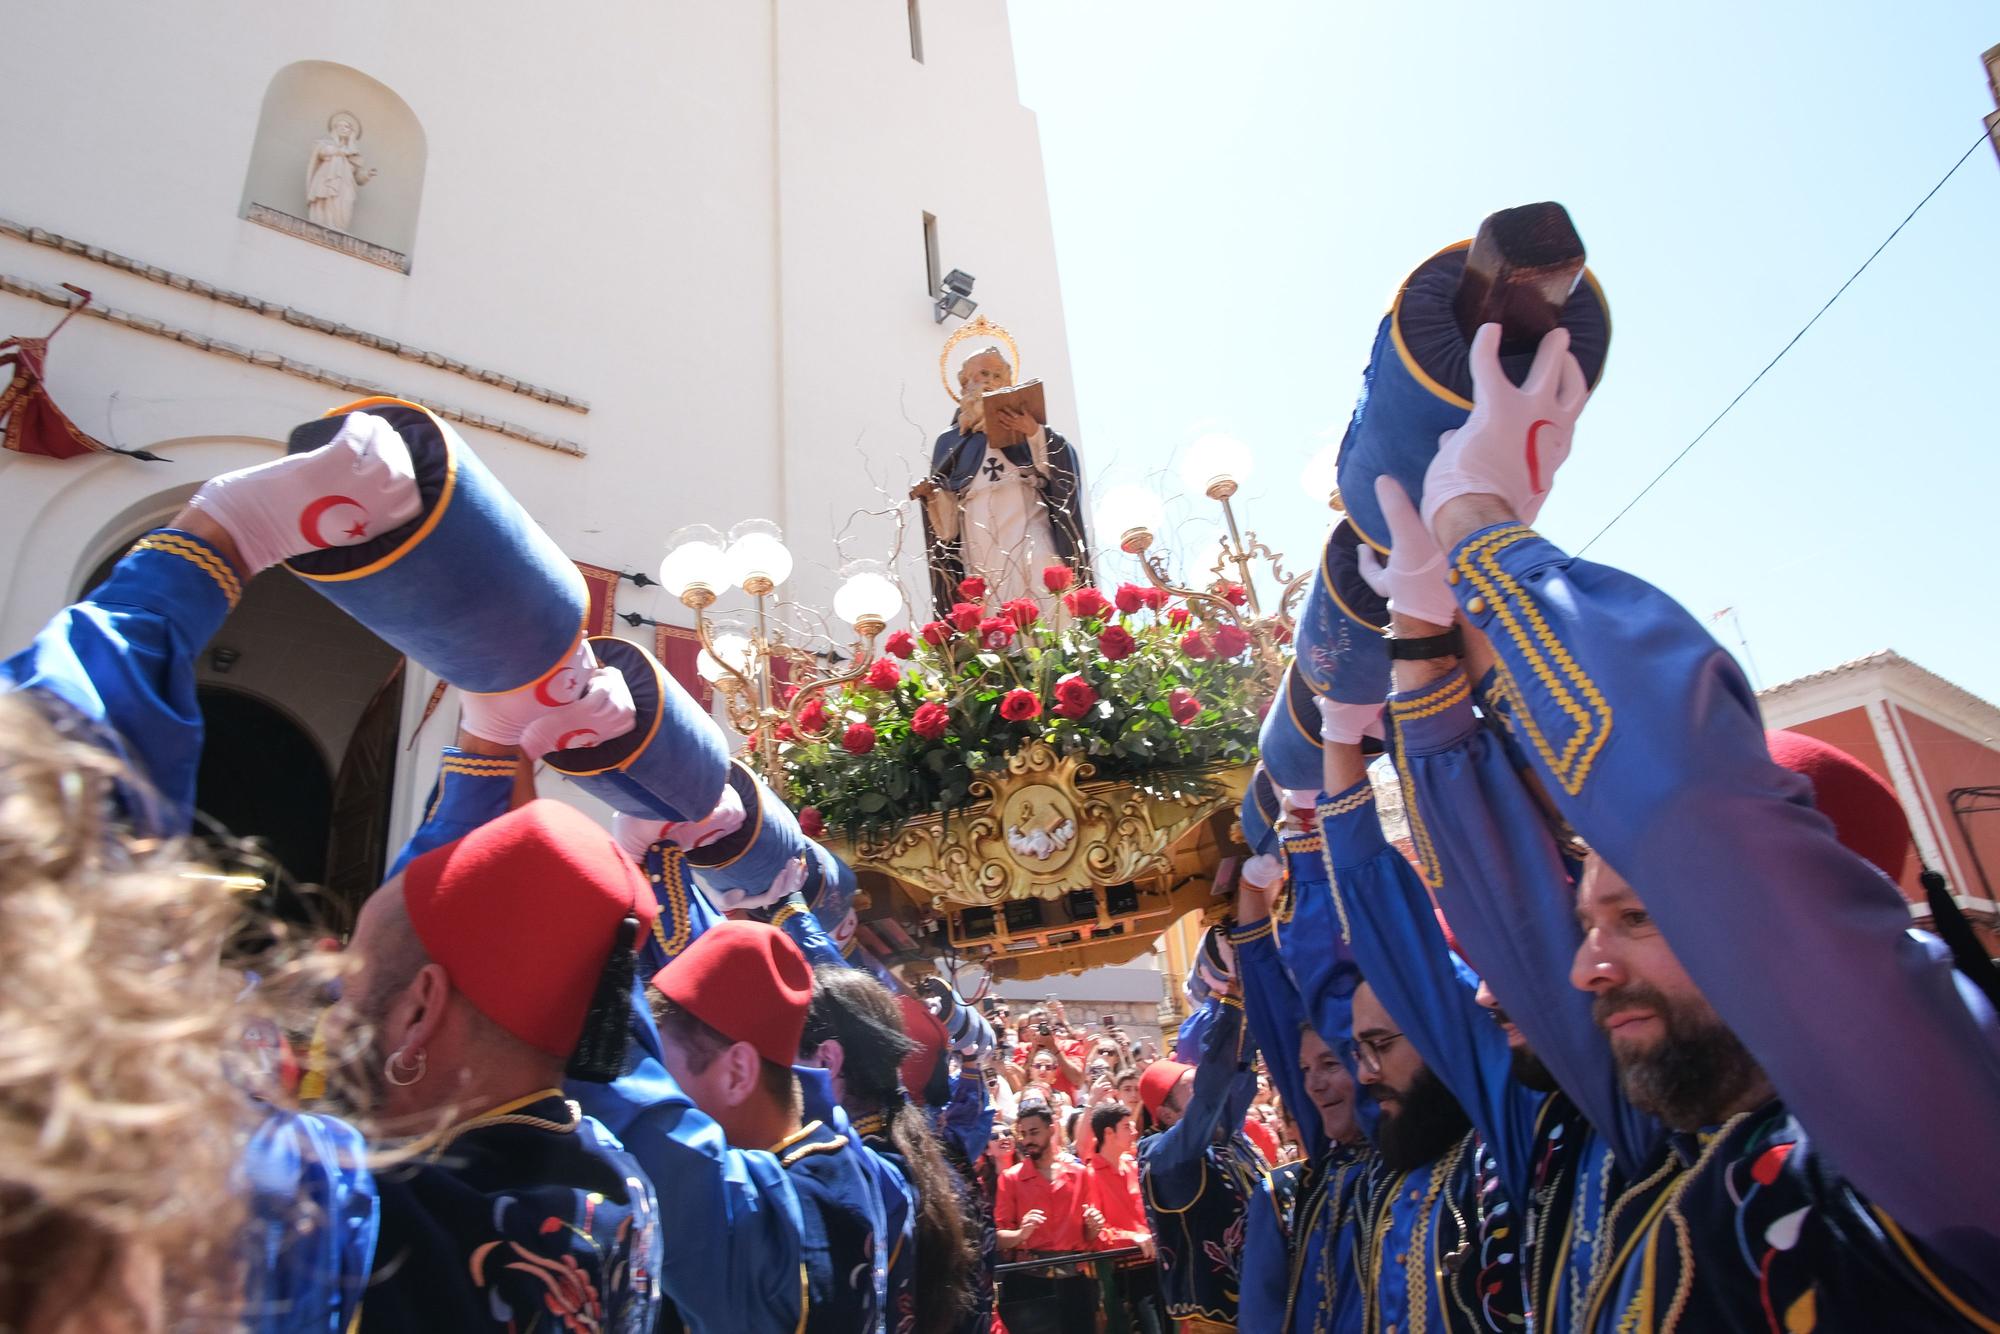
737 678
863 655
1138 540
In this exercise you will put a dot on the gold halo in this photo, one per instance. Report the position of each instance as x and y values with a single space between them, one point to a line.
980 327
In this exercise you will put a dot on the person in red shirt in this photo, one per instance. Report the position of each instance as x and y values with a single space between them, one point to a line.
1039 1210
1112 1179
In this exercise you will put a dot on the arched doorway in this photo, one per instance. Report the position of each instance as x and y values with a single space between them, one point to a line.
301 706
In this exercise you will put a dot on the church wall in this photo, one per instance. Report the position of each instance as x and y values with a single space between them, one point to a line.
701 220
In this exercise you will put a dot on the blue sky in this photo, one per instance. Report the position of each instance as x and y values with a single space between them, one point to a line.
1238 188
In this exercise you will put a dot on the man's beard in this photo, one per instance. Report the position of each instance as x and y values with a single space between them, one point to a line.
1693 1075
1031 1152
1427 1121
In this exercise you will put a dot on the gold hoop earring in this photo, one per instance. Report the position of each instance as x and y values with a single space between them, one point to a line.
422 1064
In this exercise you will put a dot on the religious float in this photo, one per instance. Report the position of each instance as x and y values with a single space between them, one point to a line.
1049 771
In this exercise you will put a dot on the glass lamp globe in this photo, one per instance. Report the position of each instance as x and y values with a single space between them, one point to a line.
694 563
1215 465
1125 512
732 648
868 596
758 558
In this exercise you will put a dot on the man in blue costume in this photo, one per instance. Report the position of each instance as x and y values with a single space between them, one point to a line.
1432 1202
1766 951
1301 1248
121 665
1198 1175
1002 514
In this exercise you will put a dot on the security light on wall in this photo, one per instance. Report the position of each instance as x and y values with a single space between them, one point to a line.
956 298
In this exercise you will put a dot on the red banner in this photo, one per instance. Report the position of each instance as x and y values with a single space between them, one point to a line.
603 586
678 648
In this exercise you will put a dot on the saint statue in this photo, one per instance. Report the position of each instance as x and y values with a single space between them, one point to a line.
1001 513
334 174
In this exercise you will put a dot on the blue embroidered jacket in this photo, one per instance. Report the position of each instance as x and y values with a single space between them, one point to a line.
1196 1182
1648 739
117 670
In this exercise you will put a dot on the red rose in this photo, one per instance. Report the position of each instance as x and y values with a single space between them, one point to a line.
930 721
1130 598
1017 706
1230 641
1195 646
1074 697
902 644
965 615
1087 603
1184 706
786 694
812 716
884 675
1056 578
811 823
972 588
937 633
1155 598
1116 643
1023 611
1236 594
784 732
996 632
1178 617
859 739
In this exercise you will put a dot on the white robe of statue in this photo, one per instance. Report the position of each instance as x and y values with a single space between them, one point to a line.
335 175
1004 530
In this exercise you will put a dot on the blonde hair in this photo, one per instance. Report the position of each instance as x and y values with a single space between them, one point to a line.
126 1083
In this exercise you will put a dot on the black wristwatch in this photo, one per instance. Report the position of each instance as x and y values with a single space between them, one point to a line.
1450 644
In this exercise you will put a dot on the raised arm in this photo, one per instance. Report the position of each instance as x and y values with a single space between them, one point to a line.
1403 953
1271 1005
120 665
1641 710
1174 1151
1505 887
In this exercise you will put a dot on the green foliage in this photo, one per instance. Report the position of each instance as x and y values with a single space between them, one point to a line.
1129 734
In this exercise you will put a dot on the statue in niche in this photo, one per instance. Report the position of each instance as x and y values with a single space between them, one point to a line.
335 174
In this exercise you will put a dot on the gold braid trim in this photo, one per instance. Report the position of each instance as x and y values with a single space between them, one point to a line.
671 889
199 556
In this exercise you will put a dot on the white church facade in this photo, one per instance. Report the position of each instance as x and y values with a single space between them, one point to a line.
661 263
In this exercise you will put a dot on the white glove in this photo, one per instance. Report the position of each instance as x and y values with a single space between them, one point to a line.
720 823
1264 870
604 711
636 835
1345 724
1413 580
1515 439
502 718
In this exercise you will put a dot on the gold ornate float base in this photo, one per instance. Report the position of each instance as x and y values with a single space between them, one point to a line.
1047 872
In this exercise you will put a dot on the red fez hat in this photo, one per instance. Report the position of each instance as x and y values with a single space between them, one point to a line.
522 914
748 982
929 1035
1866 816
1158 1082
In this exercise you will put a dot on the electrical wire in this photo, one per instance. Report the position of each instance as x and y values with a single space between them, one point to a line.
1744 392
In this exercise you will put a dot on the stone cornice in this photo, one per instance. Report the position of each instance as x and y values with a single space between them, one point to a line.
277 310
56 296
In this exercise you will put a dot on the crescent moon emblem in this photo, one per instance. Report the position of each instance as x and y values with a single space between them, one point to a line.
571 740
1534 456
545 689
310 516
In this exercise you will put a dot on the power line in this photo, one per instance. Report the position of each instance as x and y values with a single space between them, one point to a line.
1658 477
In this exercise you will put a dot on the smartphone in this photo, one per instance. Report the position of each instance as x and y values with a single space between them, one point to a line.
1043 1028
1108 1021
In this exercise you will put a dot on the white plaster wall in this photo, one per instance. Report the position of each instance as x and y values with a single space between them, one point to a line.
700 216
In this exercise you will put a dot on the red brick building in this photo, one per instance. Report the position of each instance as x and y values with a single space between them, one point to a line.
1939 748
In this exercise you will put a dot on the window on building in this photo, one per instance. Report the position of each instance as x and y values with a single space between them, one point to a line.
916 31
931 275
